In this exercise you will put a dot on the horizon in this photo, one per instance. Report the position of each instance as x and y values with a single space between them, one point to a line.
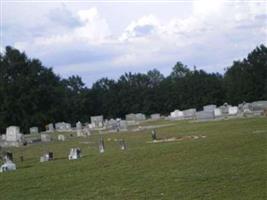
93 41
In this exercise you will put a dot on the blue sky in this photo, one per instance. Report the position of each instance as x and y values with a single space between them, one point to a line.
95 40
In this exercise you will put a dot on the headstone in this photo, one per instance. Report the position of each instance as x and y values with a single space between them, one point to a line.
34 130
87 131
8 166
140 117
259 105
3 137
122 125
245 108
101 145
50 127
155 116
45 137
177 114
63 127
122 144
13 134
189 113
79 129
217 112
13 137
205 115
61 137
224 109
75 153
209 108
233 110
97 121
130 117
47 157
131 123
154 135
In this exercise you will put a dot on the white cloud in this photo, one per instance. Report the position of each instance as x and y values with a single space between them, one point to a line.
82 40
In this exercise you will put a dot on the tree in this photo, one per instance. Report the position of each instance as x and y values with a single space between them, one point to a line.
246 80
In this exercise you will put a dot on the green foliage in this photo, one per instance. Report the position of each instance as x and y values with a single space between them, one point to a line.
32 95
247 80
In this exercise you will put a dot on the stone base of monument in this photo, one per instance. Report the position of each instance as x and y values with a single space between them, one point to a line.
177 139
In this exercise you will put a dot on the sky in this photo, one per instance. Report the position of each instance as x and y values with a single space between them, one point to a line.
96 39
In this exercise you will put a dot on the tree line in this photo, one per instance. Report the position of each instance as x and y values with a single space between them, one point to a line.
33 95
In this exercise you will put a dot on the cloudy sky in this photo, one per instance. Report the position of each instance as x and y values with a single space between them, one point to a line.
106 39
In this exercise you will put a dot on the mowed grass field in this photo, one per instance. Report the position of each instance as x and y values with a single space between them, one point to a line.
230 163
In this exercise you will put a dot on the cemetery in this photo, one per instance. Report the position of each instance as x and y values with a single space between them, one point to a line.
172 152
132 100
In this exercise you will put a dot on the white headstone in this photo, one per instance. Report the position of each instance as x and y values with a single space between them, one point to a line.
45 137
233 110
177 114
8 166
155 116
61 137
75 153
13 134
217 112
209 108
34 130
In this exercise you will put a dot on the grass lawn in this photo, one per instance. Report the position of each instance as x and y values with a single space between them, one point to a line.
229 163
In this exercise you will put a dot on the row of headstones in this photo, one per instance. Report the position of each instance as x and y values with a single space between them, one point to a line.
75 153
212 111
96 122
208 112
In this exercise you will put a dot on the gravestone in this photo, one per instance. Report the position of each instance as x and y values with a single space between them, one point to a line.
8 166
233 110
13 134
75 153
50 127
13 137
140 117
217 112
101 145
224 109
45 137
87 131
155 116
34 130
122 144
131 123
245 108
259 105
63 127
47 157
61 137
205 115
97 121
130 117
122 125
177 114
154 135
3 137
209 108
189 113
79 129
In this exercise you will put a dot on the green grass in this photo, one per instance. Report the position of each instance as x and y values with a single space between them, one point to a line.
230 163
